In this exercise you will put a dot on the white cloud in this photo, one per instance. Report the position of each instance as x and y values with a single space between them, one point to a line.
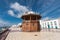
19 24
11 12
13 26
16 25
17 7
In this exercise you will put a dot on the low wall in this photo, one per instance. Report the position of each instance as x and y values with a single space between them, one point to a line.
4 34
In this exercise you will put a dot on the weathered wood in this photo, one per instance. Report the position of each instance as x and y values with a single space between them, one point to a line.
31 23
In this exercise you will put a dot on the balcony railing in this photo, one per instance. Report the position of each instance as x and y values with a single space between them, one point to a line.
30 21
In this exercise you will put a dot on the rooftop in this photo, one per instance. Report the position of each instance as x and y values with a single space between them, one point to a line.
33 15
30 12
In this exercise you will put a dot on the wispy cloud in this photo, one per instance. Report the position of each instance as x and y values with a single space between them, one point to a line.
50 10
11 12
16 25
4 23
17 7
48 18
46 7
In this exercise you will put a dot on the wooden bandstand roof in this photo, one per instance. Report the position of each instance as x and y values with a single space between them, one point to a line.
33 16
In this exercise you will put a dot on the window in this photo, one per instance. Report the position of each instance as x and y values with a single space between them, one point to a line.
48 26
56 27
48 22
45 23
51 25
55 23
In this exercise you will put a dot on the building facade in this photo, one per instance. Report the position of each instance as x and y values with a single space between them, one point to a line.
50 23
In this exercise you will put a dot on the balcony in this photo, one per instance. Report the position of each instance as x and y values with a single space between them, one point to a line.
30 21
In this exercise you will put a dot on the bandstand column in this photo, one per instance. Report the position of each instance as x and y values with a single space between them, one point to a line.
24 24
30 24
36 24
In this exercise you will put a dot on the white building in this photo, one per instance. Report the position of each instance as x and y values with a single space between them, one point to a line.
50 23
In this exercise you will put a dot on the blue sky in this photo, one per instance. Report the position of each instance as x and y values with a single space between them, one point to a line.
11 10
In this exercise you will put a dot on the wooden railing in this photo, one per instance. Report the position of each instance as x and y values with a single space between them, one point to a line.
30 21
